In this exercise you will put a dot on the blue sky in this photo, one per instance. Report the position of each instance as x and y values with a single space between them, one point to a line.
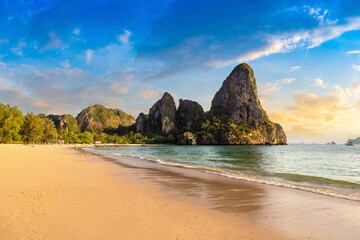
62 56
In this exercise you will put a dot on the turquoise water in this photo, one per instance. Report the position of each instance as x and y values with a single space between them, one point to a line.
327 169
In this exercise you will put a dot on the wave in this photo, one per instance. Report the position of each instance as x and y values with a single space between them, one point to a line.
314 184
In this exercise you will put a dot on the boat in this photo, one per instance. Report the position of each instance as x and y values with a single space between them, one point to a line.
349 142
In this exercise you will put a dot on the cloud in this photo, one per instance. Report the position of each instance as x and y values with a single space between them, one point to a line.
2 64
88 55
125 37
318 14
304 130
53 43
356 67
273 86
294 68
65 64
148 94
281 117
18 50
118 88
10 95
353 52
321 108
280 43
42 105
319 83
76 31
331 31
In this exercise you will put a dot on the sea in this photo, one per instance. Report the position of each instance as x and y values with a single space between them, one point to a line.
332 170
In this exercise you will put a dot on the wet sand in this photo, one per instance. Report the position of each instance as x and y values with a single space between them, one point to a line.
55 192
289 212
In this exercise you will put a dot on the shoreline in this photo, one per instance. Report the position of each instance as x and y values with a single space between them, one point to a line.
279 200
54 192
325 191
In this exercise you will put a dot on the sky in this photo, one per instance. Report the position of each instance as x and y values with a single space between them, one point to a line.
62 56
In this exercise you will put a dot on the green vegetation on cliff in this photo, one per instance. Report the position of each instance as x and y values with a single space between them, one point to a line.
97 118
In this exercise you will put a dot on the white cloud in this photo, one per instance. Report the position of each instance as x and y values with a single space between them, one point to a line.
88 55
356 67
53 43
273 86
18 50
125 37
2 64
65 64
318 14
331 31
287 80
319 83
353 52
314 11
292 40
294 68
76 31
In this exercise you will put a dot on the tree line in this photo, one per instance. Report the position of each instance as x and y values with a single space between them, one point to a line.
15 127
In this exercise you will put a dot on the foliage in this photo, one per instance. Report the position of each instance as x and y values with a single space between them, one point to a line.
11 119
33 128
97 118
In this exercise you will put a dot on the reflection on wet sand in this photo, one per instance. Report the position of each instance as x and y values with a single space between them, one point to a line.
214 192
299 214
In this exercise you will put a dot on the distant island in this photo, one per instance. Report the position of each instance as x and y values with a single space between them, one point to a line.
235 118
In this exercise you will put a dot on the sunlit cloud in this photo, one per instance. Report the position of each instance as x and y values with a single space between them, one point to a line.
294 68
148 94
273 86
319 83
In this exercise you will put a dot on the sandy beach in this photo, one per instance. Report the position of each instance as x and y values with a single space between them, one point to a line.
53 192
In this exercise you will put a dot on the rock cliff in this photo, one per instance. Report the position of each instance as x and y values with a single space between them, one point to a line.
97 118
188 114
237 97
66 121
141 123
236 116
162 114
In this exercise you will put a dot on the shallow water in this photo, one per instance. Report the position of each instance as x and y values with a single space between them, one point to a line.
327 169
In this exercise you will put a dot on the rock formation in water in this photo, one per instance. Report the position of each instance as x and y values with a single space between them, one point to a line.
162 114
97 118
188 114
237 97
236 116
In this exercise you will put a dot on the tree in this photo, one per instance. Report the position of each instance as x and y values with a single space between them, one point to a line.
86 137
50 134
11 119
33 128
